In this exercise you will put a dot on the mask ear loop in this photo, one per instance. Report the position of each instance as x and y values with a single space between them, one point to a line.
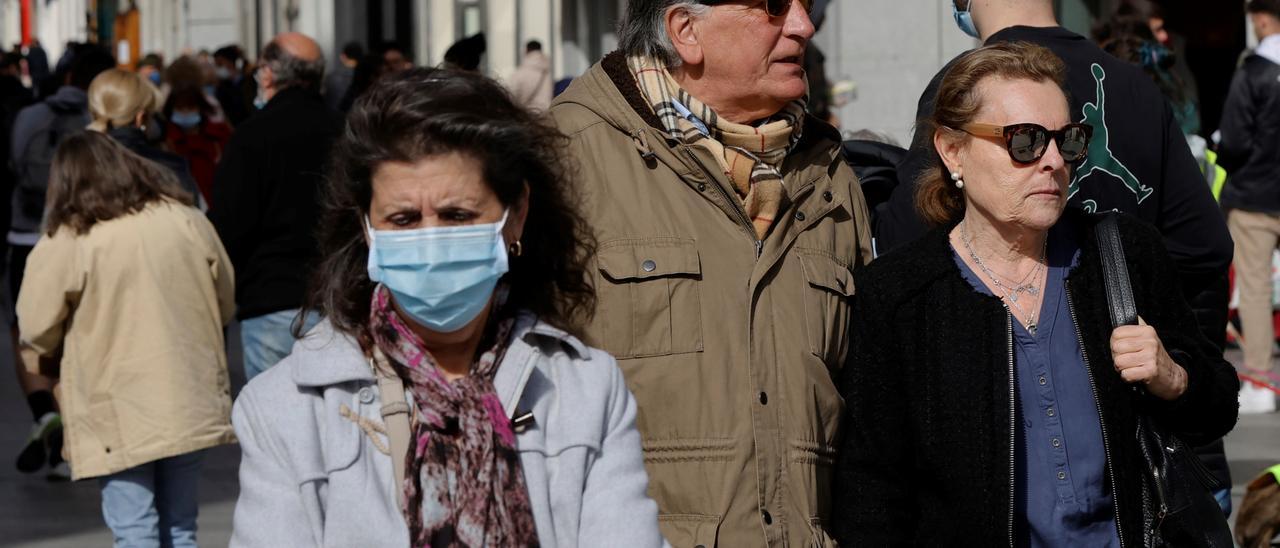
371 264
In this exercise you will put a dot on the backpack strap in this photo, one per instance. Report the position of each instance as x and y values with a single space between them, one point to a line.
395 415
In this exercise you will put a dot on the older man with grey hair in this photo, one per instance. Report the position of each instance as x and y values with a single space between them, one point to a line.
728 230
265 196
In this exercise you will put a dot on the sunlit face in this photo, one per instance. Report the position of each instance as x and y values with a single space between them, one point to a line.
440 191
1030 196
759 57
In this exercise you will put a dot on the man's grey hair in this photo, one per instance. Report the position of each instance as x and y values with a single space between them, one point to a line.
642 31
290 70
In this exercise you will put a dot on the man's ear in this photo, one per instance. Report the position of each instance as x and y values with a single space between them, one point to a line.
682 30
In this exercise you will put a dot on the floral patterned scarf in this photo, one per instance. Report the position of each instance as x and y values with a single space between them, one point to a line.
463 482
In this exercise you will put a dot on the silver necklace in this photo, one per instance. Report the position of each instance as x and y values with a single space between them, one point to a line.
1010 294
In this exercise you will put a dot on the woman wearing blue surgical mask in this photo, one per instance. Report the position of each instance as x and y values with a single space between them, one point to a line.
445 400
196 131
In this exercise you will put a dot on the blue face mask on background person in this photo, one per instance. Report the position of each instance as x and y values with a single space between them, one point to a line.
259 100
442 277
185 120
964 19
154 77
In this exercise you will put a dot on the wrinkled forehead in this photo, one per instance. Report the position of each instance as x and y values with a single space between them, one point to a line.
1007 101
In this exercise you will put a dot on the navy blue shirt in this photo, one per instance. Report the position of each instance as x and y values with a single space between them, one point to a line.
1062 497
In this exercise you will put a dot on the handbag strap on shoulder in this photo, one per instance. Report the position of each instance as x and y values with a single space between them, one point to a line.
1115 273
395 415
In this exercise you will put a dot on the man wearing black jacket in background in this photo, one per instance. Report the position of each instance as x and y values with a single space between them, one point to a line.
265 195
1250 151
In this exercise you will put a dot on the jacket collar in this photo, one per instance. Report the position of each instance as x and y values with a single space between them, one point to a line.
930 257
292 94
131 137
328 357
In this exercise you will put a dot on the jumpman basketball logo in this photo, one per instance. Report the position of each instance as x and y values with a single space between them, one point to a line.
1100 157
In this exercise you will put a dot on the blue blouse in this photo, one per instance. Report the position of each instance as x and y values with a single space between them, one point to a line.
1062 497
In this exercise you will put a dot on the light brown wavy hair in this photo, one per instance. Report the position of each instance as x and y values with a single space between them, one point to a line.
958 102
95 179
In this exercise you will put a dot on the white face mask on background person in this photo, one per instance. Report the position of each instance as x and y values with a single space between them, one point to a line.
442 277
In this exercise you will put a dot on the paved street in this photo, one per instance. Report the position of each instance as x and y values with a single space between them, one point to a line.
36 513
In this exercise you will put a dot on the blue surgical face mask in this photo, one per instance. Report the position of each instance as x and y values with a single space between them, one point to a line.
154 77
185 119
964 19
442 277
259 100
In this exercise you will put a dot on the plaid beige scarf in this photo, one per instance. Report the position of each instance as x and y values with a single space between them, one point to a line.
750 156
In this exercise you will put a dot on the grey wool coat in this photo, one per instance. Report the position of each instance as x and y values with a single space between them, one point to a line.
311 476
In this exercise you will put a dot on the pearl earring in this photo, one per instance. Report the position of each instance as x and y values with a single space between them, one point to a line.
955 176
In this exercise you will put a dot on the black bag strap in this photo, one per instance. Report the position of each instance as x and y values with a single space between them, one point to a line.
1115 273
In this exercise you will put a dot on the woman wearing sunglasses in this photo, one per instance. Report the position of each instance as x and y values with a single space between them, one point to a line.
988 397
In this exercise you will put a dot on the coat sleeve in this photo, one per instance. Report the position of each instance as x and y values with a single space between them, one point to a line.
1238 123
1191 222
874 491
271 510
616 511
223 273
1208 409
236 206
50 293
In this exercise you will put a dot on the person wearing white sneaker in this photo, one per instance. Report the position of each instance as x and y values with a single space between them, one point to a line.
1249 118
1256 400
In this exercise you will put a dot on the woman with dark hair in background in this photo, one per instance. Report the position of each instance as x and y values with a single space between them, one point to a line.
197 133
454 264
125 301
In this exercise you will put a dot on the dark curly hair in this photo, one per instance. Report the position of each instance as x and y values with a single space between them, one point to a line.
425 112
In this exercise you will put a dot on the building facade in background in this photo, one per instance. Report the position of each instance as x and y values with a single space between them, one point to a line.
883 51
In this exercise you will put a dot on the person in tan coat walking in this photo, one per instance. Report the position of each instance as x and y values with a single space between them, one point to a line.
728 229
124 300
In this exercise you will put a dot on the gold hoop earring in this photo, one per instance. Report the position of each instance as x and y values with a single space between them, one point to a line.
516 248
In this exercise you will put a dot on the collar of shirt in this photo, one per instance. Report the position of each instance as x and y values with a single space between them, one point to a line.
1270 48
688 115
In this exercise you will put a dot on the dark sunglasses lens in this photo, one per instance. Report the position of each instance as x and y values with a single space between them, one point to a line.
1074 143
1027 144
777 8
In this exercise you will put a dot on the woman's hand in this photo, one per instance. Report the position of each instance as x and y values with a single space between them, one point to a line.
1140 357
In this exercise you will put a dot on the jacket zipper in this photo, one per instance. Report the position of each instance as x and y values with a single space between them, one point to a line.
742 215
1102 421
1013 423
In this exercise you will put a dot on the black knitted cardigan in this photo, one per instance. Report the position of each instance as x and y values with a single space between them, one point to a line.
927 456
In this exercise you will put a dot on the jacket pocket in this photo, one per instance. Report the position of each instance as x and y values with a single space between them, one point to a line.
690 530
826 305
649 303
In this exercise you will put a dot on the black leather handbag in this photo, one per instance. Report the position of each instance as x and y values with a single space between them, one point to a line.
1177 490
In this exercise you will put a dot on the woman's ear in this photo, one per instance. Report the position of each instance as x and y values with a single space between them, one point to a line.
950 146
519 214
